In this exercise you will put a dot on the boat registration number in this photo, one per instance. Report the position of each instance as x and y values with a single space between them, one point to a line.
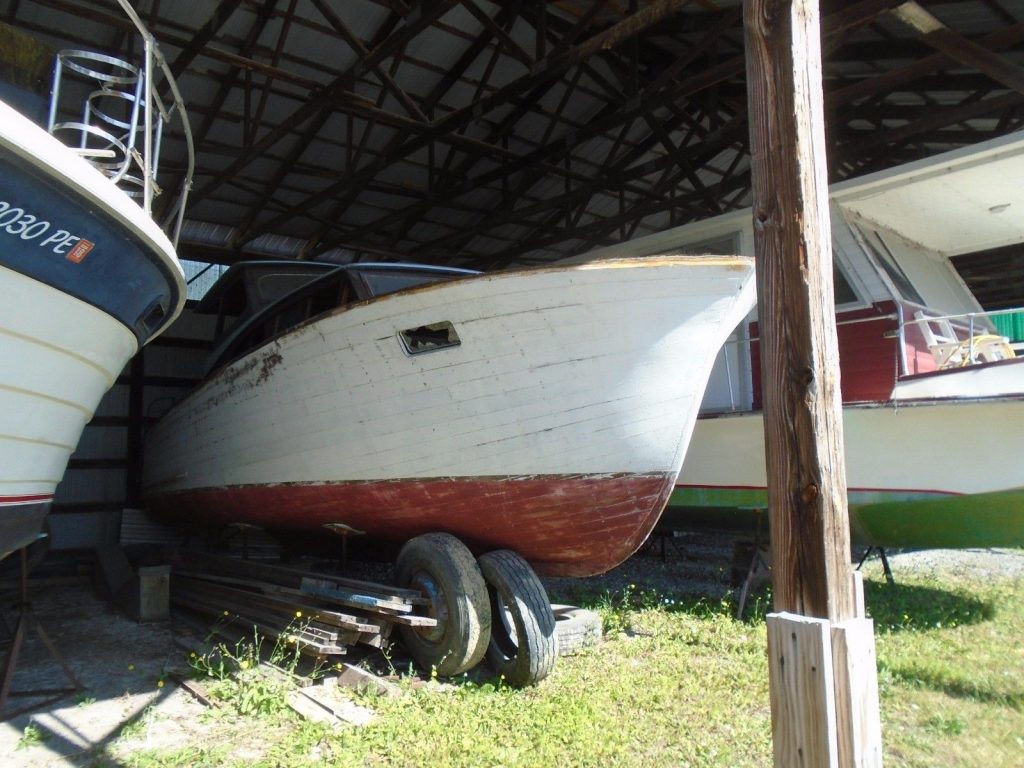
18 222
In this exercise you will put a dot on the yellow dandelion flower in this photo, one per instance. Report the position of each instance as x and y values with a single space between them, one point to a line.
298 614
131 667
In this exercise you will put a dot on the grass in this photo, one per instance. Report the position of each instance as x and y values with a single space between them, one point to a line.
679 681
951 667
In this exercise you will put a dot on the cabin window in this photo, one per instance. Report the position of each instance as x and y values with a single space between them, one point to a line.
273 286
885 259
429 338
380 282
844 292
312 299
722 246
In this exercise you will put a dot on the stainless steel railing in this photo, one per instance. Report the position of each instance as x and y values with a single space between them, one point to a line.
964 339
123 118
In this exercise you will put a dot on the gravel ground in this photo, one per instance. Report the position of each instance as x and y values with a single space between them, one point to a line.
123 669
980 563
709 565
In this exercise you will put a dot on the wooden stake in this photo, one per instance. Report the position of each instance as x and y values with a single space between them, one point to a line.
858 722
802 689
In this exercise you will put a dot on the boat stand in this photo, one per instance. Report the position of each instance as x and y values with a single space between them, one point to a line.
660 537
344 531
758 563
28 621
885 562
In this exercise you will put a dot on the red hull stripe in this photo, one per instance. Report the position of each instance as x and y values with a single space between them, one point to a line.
576 525
32 498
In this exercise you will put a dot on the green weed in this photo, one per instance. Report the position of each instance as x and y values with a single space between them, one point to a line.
32 736
236 674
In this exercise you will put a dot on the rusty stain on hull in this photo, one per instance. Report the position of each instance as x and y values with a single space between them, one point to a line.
269 362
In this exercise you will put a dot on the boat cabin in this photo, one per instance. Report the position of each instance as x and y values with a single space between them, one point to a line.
256 301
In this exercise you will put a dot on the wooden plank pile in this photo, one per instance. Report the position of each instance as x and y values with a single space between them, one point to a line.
323 614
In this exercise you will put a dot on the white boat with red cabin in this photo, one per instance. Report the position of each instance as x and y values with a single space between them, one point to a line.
546 411
933 389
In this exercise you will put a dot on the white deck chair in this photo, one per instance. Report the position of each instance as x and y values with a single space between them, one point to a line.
952 352
942 341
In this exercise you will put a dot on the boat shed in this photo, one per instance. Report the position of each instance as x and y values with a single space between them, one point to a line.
489 136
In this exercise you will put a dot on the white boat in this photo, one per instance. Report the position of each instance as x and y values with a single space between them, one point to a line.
933 393
547 410
86 278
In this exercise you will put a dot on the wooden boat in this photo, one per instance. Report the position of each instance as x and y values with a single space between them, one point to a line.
546 410
86 278
932 391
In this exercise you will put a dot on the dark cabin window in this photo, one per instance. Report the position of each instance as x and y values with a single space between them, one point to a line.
844 293
893 270
312 300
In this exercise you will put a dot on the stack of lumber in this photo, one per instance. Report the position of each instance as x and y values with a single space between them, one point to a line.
323 614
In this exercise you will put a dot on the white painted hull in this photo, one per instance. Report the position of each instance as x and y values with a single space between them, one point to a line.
935 447
1004 378
58 356
936 473
570 372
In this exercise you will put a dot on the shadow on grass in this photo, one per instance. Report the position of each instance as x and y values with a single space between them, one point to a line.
639 597
939 682
894 607
912 607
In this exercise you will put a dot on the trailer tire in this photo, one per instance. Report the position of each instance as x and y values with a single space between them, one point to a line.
443 568
523 647
576 628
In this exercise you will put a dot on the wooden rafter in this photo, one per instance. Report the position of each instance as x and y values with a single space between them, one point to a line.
473 131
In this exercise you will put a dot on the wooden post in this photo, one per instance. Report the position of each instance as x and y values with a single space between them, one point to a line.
819 718
800 357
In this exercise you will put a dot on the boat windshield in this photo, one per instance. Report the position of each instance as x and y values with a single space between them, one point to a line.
260 301
373 280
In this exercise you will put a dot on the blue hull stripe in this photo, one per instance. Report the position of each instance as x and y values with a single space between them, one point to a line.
51 234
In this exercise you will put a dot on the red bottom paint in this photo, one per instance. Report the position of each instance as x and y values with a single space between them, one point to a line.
564 525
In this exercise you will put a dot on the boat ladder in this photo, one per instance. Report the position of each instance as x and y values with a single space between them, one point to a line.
121 122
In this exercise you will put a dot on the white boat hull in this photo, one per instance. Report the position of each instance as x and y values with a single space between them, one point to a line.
1004 378
58 356
568 381
931 473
